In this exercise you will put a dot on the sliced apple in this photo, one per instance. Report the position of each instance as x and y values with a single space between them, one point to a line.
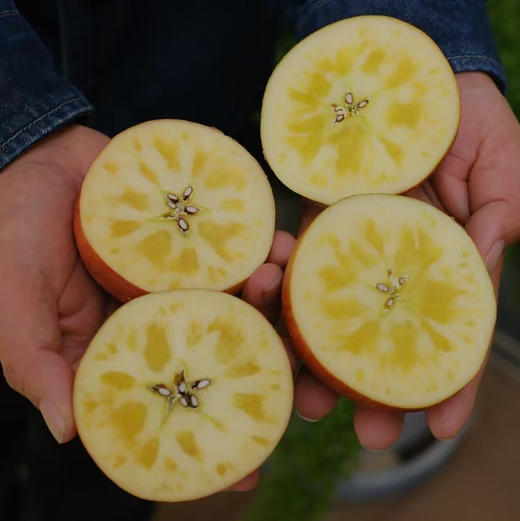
365 105
389 302
182 393
171 204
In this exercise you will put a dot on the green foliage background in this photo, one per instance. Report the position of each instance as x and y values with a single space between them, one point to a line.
300 480
301 477
505 19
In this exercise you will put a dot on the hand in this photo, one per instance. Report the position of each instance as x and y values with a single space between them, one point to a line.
478 183
49 306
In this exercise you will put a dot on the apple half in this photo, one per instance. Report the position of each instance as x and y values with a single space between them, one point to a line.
388 301
365 105
171 204
182 393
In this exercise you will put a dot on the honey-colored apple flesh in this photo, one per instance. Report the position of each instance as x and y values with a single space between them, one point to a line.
171 204
164 440
366 105
388 301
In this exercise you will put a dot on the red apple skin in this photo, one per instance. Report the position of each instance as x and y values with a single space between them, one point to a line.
307 356
105 276
101 272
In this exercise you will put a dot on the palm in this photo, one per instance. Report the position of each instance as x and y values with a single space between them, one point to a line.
78 303
50 308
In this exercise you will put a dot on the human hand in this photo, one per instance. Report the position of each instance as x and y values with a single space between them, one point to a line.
478 183
49 306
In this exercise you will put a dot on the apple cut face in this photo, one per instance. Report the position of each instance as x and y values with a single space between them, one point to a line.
388 301
182 393
365 105
171 204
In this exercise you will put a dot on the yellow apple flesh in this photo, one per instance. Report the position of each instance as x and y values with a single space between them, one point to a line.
181 394
171 204
389 302
366 105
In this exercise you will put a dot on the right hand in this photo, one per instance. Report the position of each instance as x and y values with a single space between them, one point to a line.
49 306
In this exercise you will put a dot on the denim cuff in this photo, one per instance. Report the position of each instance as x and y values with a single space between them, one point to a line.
459 27
34 98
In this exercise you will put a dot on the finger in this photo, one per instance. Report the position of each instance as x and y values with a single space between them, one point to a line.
447 418
263 290
488 229
248 483
283 244
313 400
426 194
29 344
452 189
83 306
377 429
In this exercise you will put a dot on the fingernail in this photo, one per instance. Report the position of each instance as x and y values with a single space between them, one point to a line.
273 289
310 420
494 255
442 439
54 420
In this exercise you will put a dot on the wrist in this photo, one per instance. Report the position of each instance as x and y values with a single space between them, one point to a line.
69 151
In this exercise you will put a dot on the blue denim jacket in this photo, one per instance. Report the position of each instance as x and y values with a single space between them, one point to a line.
201 60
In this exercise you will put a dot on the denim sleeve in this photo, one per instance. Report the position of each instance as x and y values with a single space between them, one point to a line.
460 27
34 98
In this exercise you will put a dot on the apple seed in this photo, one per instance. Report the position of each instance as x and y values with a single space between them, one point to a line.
201 384
382 287
183 225
161 389
172 198
190 210
187 193
350 109
180 391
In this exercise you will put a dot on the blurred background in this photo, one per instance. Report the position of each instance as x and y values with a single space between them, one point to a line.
319 472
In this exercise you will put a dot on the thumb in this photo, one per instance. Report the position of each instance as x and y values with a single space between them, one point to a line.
263 290
29 345
488 227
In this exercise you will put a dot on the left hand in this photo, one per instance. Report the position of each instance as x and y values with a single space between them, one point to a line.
478 183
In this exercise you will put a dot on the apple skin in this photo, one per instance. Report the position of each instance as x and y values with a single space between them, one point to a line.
307 356
101 272
105 276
